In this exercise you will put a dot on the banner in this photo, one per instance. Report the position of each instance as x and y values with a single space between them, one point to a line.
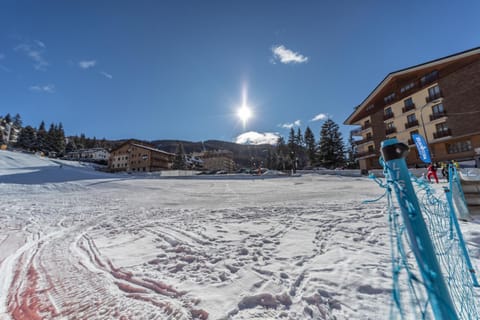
422 148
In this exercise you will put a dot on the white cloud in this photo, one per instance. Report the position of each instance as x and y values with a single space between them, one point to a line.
320 116
87 64
253 137
48 88
106 75
40 44
35 51
296 123
286 56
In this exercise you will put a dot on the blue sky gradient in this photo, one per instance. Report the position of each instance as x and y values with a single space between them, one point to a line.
177 69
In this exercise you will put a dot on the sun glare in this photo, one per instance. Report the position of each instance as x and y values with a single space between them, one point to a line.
244 113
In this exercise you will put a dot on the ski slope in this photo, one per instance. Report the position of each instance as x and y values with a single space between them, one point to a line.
79 244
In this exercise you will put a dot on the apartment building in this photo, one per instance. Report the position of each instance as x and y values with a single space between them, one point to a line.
439 100
134 156
217 160
93 154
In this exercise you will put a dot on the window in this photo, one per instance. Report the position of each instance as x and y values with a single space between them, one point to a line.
388 111
370 148
390 125
389 98
442 127
407 87
433 93
408 102
411 118
429 77
460 146
412 133
438 109
369 136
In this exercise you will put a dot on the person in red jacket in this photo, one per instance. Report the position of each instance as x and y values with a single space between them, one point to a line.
432 172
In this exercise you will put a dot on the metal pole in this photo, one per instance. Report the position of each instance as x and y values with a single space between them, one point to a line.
394 154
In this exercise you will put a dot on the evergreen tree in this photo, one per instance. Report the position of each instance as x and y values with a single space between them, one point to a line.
8 118
179 162
41 142
27 139
351 162
310 145
282 152
60 140
17 121
292 149
331 148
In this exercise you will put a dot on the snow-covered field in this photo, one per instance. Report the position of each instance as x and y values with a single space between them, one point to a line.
79 244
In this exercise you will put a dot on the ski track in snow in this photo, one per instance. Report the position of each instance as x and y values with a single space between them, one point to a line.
290 248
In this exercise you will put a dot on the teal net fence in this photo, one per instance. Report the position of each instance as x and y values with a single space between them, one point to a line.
411 295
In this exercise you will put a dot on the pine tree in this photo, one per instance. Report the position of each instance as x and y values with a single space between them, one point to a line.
27 139
179 162
292 149
41 142
331 147
282 151
310 145
17 121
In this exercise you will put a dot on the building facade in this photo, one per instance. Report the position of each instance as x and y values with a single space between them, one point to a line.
133 156
439 100
94 155
217 160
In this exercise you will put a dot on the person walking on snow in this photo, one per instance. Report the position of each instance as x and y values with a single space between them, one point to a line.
432 172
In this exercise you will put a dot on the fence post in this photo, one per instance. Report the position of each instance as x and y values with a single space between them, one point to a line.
394 154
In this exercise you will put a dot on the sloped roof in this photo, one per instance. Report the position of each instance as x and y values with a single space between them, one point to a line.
409 73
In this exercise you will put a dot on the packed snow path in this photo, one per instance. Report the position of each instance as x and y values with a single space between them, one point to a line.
126 248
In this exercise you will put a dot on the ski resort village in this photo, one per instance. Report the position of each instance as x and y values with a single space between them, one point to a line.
239 160
297 229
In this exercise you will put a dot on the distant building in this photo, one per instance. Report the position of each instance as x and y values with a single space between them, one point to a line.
439 100
93 155
221 160
134 156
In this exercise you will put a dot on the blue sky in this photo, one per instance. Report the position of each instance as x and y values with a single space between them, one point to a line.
181 69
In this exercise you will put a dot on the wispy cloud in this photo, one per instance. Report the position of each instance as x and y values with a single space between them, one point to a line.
253 137
106 75
35 51
320 116
47 88
87 64
296 123
286 56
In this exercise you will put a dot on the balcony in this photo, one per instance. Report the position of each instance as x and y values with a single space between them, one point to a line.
434 97
438 115
408 108
411 124
442 134
356 132
365 154
388 116
366 126
390 130
359 142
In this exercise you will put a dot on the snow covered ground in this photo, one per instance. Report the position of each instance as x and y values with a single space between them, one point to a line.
79 244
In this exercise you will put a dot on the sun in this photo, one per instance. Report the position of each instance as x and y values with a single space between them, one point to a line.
244 113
